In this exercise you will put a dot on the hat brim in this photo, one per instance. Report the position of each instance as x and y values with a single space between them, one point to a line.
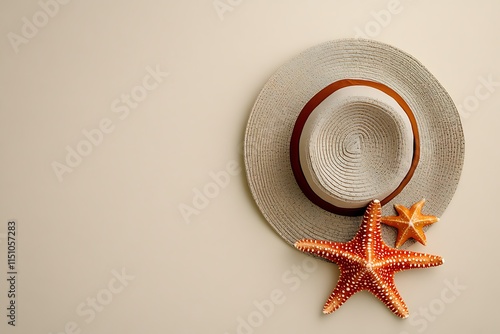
272 119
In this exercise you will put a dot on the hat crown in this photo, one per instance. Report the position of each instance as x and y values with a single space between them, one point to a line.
356 145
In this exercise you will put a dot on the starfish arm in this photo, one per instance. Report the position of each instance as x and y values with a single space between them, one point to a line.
418 234
403 211
401 238
404 231
420 219
369 232
425 220
343 291
416 209
404 260
331 251
385 290
394 221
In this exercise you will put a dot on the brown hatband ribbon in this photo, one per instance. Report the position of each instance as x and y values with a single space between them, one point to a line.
299 126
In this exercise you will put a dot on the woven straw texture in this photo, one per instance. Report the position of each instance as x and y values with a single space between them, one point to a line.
356 150
385 142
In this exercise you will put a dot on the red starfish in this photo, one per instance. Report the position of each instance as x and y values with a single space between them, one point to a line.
367 263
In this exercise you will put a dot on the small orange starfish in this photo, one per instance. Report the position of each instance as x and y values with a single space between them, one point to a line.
367 263
410 223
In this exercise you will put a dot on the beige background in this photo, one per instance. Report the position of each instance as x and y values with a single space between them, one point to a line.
118 209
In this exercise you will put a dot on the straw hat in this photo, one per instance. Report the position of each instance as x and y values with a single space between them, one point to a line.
343 123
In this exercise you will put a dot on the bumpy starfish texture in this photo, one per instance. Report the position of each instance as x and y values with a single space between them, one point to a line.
410 223
367 263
